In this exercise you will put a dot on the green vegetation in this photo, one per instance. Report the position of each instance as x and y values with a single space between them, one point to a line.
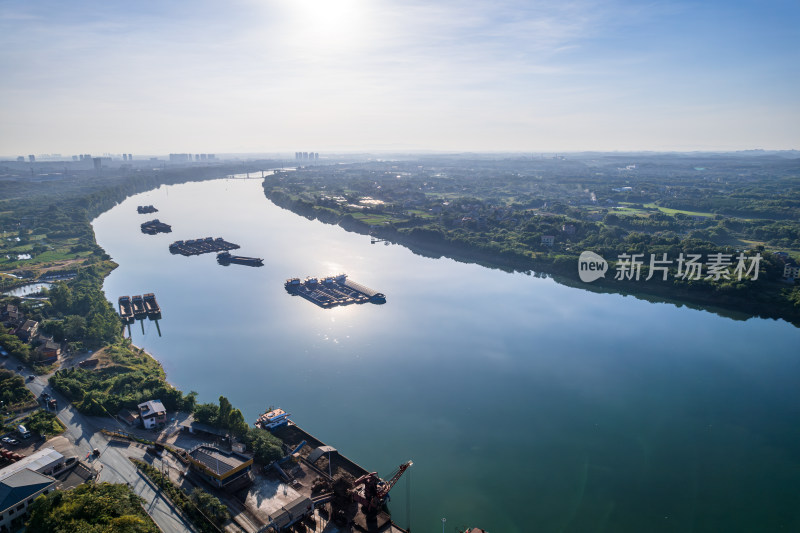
496 211
12 390
14 346
126 378
223 416
92 508
266 447
43 423
206 512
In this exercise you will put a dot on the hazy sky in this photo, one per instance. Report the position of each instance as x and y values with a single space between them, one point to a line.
287 75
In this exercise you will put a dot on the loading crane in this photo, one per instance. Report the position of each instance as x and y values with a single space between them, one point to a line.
375 491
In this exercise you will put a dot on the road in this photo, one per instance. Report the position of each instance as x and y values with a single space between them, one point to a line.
113 463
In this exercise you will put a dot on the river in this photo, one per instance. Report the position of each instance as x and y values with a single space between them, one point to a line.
524 404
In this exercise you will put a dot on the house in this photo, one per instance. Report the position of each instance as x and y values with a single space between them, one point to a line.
48 351
569 229
28 330
548 240
17 491
129 417
10 315
152 414
791 272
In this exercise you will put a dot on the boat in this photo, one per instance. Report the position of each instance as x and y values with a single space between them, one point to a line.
143 209
151 305
155 226
125 309
138 307
330 291
272 419
225 258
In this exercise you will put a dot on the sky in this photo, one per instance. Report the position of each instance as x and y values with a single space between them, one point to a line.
246 76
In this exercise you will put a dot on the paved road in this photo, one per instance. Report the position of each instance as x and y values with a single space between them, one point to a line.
113 463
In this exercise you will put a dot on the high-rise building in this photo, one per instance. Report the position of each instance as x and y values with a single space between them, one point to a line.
124 157
74 157
32 158
21 159
130 157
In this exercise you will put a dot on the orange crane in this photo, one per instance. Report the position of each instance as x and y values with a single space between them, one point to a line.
376 491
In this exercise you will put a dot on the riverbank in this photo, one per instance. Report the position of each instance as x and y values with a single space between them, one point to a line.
768 299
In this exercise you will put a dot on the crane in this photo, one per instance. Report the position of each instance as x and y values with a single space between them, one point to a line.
376 490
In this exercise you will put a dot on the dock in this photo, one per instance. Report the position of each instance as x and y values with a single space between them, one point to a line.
310 467
201 246
155 226
333 291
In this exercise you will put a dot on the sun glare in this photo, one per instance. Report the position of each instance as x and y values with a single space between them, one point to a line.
326 24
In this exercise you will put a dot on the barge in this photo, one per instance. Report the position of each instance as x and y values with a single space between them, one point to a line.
155 226
126 309
332 291
138 307
201 246
144 209
151 306
225 258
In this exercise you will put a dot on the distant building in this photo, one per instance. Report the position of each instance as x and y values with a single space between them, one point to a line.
179 158
569 229
32 158
152 414
20 159
10 315
791 272
124 157
548 240
130 157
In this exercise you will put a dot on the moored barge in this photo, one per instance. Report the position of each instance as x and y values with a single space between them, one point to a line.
144 209
151 305
155 226
138 307
332 291
201 246
125 309
225 258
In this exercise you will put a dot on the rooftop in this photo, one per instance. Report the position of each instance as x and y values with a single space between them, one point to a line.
151 408
36 461
21 485
218 462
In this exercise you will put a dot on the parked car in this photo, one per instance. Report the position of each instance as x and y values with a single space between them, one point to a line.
6 440
13 442
3 352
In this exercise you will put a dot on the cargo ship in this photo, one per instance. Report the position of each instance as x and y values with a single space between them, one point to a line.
225 258
333 291
138 307
125 309
151 305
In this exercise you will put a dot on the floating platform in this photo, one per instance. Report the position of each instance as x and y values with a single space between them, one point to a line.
225 258
201 246
126 309
155 226
151 306
333 291
144 209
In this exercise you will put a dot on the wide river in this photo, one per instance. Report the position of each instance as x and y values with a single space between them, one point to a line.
524 404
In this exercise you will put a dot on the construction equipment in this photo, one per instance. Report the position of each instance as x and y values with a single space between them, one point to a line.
375 491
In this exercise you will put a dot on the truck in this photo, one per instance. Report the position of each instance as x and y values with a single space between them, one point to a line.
23 432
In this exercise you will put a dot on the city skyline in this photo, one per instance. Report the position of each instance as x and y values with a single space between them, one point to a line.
351 75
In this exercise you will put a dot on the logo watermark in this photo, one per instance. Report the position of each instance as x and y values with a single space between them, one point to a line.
592 266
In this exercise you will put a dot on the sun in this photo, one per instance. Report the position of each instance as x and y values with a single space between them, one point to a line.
328 23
